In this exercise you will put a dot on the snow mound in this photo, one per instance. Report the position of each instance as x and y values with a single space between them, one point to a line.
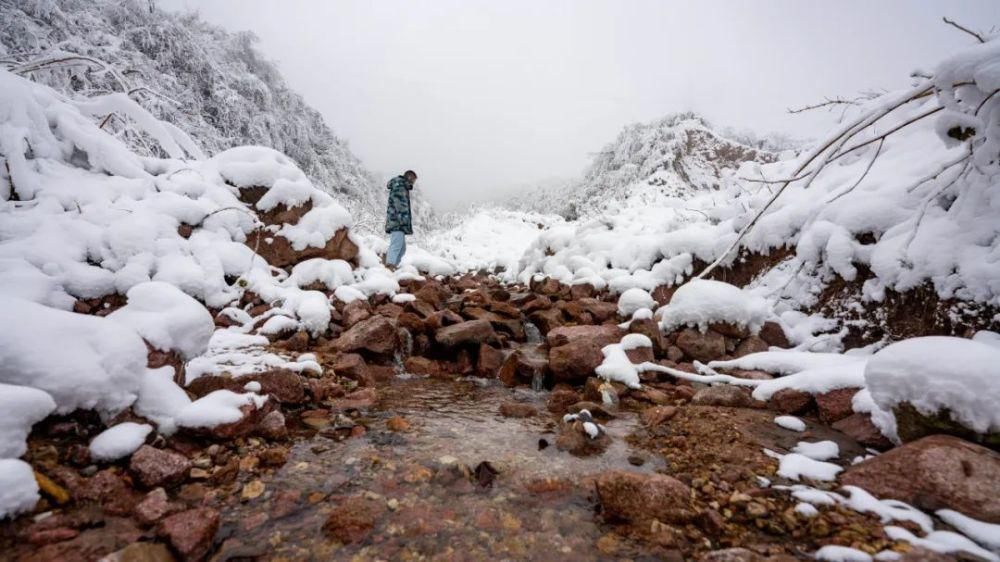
119 441
791 423
701 302
938 373
167 318
20 408
81 361
18 488
217 408
633 300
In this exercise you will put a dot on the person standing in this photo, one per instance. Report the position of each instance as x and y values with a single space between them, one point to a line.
398 216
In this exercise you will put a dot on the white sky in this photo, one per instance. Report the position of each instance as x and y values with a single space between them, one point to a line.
480 97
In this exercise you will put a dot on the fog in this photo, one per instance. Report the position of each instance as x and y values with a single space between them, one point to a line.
484 98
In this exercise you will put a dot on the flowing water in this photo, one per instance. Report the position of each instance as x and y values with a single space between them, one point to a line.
462 483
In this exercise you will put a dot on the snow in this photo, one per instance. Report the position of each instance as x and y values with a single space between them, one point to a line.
936 373
98 365
806 510
616 365
941 541
819 451
986 534
20 408
835 553
119 441
167 318
18 488
160 399
795 466
634 299
700 302
591 429
790 422
252 386
217 408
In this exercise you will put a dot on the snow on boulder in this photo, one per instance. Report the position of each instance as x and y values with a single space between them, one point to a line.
81 361
20 408
218 408
702 302
119 441
299 222
634 299
931 381
18 488
161 399
167 318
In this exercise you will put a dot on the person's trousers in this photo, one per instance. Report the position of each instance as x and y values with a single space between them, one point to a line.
397 247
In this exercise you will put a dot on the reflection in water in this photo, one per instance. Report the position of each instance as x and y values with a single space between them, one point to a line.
528 503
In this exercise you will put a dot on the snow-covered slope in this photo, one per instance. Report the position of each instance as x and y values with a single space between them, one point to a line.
214 85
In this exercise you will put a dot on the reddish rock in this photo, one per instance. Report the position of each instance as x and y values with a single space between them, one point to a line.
651 329
442 318
356 311
107 487
631 497
701 347
376 335
561 399
752 344
272 426
278 251
581 291
298 342
860 428
322 389
835 405
549 286
390 310
774 334
354 367
658 415
489 361
410 321
353 519
469 332
158 467
534 303
640 355
418 365
420 308
576 350
674 353
547 320
523 366
723 395
790 401
662 294
50 536
934 473
244 426
433 293
505 309
283 385
517 410
191 532
574 440
153 507
752 375
729 330
363 399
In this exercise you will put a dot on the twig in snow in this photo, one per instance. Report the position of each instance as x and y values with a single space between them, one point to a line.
965 29
889 132
878 150
923 210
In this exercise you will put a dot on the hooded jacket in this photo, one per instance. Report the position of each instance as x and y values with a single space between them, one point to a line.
398 215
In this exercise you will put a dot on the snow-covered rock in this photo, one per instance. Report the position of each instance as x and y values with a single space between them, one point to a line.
702 302
20 408
167 318
119 441
939 374
18 488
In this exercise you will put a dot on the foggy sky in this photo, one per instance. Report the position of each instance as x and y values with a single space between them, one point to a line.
481 97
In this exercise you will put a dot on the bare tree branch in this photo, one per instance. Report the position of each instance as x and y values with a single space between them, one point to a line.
965 29
889 132
878 150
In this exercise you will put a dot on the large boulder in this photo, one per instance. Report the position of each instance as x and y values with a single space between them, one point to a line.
468 332
933 473
159 468
191 532
700 346
835 405
635 498
576 351
376 335
524 365
912 424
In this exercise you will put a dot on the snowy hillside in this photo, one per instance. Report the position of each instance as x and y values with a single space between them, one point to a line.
214 85
676 157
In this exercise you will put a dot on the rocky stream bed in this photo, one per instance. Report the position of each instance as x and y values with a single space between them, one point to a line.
437 432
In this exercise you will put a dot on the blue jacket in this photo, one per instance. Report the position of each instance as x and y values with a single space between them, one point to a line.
398 215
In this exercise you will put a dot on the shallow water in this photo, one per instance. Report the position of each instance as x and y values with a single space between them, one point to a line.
434 504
